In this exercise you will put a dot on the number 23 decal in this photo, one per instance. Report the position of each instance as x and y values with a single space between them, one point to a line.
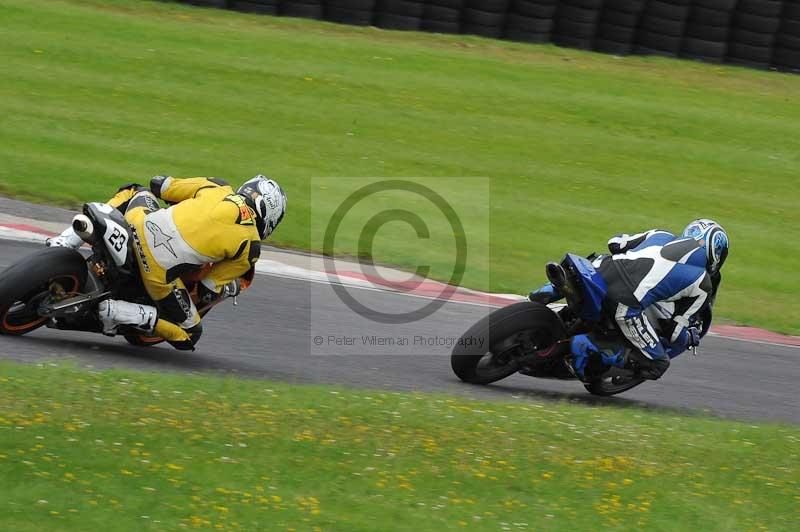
117 239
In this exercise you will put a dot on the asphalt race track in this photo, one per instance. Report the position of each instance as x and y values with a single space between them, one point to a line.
270 335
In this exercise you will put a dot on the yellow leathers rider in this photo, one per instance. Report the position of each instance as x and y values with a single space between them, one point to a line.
207 223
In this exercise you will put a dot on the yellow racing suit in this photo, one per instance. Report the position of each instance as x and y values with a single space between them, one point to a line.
206 223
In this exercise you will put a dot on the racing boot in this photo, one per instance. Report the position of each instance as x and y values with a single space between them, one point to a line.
114 313
589 360
67 239
545 295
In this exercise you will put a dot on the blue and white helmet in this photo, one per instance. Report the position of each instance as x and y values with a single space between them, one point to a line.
713 238
267 199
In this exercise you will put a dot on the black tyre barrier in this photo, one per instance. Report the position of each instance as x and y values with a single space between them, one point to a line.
388 21
399 14
625 6
662 27
208 3
486 18
441 13
786 59
710 17
442 16
650 43
613 47
405 8
266 7
541 9
719 5
355 12
764 8
301 8
576 23
753 33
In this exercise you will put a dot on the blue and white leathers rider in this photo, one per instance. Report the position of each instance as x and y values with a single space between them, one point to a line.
657 283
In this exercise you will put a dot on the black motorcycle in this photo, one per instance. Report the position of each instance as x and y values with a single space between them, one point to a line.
61 288
533 339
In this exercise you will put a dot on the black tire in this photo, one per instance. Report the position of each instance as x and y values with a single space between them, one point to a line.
787 41
626 6
532 321
494 32
490 6
529 24
441 14
617 34
516 34
706 50
752 38
757 23
359 5
620 18
664 26
666 45
612 385
719 5
569 41
452 4
389 21
533 8
28 280
574 30
708 33
613 47
755 54
438 26
355 17
666 10
404 8
786 58
587 4
256 7
791 11
710 17
764 8
791 27
291 8
206 3
578 14
483 18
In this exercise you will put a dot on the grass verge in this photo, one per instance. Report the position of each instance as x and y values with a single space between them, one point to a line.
124 450
578 146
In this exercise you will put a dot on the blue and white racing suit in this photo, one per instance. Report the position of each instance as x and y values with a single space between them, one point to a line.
657 283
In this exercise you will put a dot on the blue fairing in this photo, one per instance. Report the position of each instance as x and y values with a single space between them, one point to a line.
593 286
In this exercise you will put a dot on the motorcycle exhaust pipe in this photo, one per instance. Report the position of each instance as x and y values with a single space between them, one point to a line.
83 227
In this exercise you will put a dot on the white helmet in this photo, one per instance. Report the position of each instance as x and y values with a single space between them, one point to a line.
714 240
267 199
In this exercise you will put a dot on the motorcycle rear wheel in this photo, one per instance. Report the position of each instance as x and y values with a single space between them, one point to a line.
496 339
27 283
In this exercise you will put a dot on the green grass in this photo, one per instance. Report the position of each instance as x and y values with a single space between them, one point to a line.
136 451
577 146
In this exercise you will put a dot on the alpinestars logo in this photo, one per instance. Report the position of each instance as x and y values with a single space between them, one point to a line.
160 238
138 244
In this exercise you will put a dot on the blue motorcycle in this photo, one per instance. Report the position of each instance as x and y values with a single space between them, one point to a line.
534 339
